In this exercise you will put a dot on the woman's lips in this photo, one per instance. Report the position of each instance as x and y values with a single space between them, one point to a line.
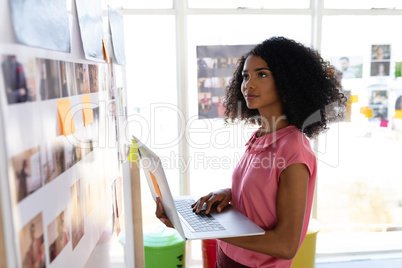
251 96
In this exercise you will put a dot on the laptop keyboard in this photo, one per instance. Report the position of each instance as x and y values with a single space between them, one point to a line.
200 222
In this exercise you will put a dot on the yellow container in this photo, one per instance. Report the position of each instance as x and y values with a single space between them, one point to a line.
305 257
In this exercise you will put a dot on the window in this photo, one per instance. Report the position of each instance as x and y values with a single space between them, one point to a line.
152 92
359 199
358 183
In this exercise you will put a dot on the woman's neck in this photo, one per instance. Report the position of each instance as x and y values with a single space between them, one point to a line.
270 125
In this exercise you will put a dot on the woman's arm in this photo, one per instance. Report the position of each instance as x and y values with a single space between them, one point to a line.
283 240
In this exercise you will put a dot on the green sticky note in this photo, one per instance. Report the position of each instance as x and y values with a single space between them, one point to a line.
398 69
133 155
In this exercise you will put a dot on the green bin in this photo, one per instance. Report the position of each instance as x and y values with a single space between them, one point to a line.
163 247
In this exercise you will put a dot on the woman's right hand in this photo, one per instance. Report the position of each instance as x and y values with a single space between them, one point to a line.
221 198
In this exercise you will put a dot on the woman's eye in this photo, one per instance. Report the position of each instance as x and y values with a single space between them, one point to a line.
262 75
245 76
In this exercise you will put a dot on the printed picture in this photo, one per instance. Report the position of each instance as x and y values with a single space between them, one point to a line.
397 120
93 78
84 142
117 192
32 245
381 52
82 78
48 75
71 79
380 68
58 146
349 66
102 68
19 79
25 173
95 126
58 233
66 79
70 154
348 112
398 103
112 80
379 97
378 102
215 66
48 171
77 219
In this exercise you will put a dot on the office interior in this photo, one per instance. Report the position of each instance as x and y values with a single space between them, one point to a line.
177 111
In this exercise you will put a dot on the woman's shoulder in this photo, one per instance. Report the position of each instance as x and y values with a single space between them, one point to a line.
296 141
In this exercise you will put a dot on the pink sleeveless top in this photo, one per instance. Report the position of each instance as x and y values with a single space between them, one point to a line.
255 182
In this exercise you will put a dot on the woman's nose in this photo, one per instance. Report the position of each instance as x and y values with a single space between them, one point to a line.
249 84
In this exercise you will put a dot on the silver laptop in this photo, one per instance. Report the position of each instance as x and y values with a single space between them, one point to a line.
228 223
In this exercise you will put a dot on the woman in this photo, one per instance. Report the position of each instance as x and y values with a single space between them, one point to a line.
292 94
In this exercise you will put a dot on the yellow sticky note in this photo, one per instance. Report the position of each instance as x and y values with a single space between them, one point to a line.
363 110
369 113
105 52
354 98
87 110
398 114
156 186
66 119
133 155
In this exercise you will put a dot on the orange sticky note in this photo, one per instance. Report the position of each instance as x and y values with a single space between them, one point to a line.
398 114
105 52
66 119
156 186
87 110
354 98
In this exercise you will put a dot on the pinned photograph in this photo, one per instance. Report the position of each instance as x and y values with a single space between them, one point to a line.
25 173
381 52
77 219
112 80
32 245
58 155
19 79
67 79
349 66
117 195
102 78
82 78
48 75
378 102
379 97
48 172
58 233
204 101
93 78
380 68
70 154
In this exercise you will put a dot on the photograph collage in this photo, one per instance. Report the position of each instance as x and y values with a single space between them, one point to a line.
68 225
215 66
29 79
379 96
33 79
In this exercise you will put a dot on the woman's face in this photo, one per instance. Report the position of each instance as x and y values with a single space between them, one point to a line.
258 86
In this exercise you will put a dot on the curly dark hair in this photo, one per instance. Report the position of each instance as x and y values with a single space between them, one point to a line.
309 87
